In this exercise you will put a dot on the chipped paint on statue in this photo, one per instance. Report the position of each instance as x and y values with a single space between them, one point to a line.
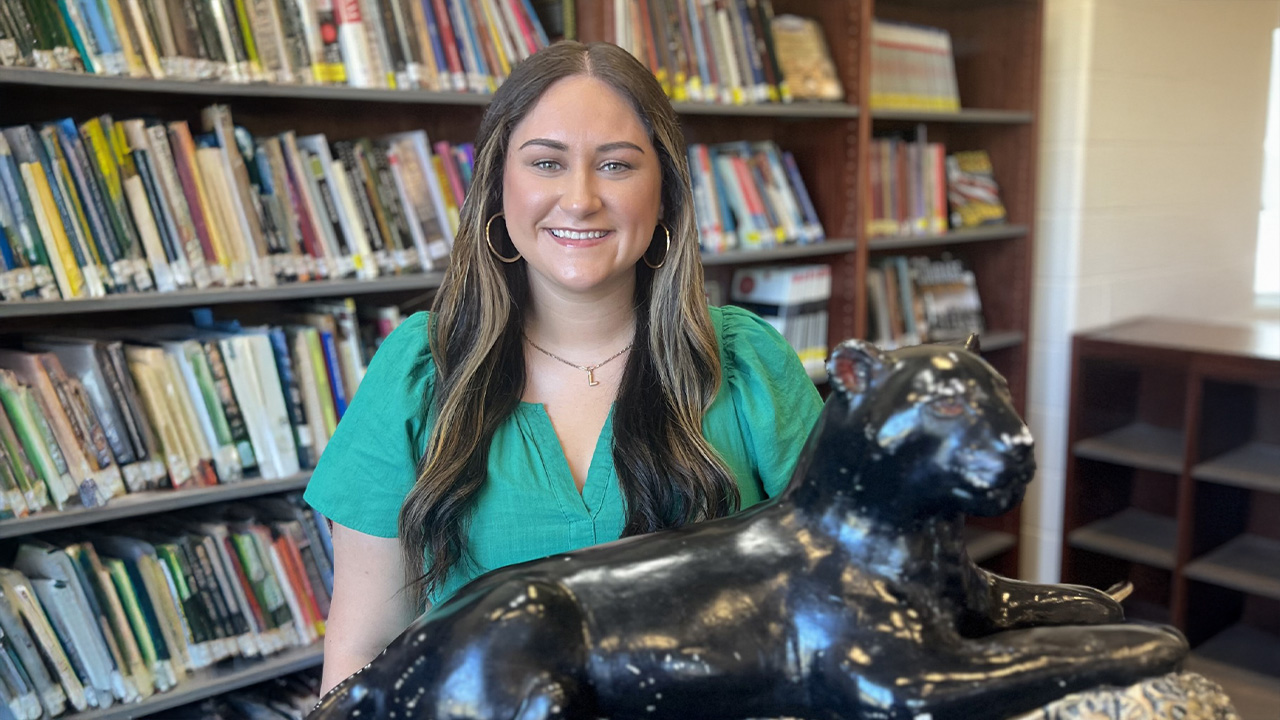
848 596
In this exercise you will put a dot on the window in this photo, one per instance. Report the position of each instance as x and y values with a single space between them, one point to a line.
1266 283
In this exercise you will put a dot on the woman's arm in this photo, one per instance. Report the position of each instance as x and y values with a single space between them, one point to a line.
369 608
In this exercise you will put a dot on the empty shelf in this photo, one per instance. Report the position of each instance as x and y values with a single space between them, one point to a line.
1248 563
1131 534
1137 445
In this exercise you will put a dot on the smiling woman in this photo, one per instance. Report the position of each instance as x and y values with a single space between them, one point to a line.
570 385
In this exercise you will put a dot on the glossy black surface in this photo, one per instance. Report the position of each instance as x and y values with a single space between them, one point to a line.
848 596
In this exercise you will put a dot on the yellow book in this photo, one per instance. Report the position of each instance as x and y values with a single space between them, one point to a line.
133 61
71 280
495 32
450 205
161 419
322 381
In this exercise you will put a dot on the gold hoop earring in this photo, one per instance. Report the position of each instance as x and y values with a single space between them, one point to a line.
664 255
489 242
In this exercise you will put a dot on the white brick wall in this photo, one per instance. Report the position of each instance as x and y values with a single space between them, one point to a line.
1152 119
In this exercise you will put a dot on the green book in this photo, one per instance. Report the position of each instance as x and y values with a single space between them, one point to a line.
16 398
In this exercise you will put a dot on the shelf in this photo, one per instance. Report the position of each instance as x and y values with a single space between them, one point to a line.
784 252
146 503
1137 445
220 296
1247 563
340 93
1255 466
797 110
340 288
953 237
224 677
1246 662
983 544
973 116
329 93
1131 534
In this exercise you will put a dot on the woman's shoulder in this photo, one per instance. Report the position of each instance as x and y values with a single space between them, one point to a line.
403 360
748 343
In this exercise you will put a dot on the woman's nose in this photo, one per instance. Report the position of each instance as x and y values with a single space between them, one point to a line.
580 195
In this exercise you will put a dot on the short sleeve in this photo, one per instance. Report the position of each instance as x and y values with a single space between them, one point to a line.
369 465
775 401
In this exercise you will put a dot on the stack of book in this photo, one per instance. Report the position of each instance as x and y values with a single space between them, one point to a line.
719 51
912 68
793 299
921 299
454 45
109 206
97 414
908 188
749 195
118 614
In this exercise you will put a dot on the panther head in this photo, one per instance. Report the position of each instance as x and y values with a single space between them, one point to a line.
935 427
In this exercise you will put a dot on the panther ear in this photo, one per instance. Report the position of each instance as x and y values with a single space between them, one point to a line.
853 364
972 345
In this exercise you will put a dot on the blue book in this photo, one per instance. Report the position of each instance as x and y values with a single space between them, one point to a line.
6 254
334 371
536 23
326 539
465 25
292 397
437 50
802 194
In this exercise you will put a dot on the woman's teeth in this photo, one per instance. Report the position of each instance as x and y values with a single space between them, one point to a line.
576 235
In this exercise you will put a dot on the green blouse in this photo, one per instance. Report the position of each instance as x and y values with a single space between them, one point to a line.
530 506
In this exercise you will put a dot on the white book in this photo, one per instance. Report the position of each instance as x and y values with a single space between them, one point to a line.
39 560
307 382
225 458
366 265
277 412
209 162
422 146
318 146
238 355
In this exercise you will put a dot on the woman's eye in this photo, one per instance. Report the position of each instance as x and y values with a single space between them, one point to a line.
614 166
546 164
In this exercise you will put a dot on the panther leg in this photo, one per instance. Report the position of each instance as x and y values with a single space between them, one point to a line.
1007 604
996 677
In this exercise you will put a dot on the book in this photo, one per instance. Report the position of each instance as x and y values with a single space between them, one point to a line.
972 191
804 59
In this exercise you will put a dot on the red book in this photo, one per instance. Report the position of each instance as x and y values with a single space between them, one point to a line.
526 30
245 586
184 150
450 162
448 40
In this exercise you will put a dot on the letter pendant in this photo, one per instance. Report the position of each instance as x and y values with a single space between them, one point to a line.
591 376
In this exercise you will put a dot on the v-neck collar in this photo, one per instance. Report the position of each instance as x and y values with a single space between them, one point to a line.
590 501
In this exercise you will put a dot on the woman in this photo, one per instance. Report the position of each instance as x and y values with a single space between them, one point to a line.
570 385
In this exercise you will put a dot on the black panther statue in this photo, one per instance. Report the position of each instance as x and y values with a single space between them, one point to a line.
848 596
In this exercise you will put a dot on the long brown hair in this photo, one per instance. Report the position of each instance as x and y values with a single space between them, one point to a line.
668 473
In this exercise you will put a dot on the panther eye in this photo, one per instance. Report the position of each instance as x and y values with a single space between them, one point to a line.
947 407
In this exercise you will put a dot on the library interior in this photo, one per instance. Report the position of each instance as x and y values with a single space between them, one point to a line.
214 213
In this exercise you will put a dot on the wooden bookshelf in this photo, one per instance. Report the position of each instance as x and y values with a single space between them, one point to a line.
228 675
1173 482
998 59
149 503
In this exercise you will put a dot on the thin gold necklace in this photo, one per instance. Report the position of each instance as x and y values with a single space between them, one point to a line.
590 370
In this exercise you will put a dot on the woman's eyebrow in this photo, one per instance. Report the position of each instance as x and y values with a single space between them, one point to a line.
561 147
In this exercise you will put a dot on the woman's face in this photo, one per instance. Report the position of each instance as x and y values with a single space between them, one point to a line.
581 187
